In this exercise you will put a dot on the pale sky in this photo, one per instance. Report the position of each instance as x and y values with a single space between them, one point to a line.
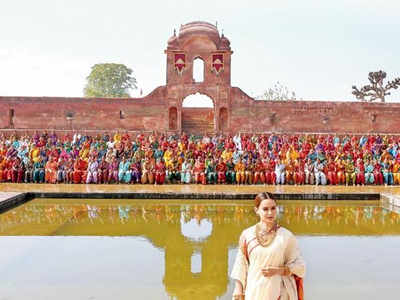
318 49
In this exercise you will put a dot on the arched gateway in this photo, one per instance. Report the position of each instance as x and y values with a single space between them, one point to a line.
199 42
198 114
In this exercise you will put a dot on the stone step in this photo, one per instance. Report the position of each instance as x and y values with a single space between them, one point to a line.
196 124
197 120
206 123
197 129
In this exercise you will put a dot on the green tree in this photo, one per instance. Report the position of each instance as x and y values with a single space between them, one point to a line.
109 80
278 92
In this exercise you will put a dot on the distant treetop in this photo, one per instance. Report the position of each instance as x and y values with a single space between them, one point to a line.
110 80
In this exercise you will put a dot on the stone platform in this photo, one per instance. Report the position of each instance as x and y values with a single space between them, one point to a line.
12 195
195 188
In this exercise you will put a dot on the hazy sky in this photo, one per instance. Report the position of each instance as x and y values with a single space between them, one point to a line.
318 48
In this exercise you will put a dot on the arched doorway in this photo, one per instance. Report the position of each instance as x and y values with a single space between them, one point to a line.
173 118
223 119
198 114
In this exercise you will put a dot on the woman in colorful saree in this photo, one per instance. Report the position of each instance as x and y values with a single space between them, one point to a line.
268 265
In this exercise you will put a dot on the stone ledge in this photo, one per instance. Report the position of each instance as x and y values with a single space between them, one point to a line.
222 196
17 199
12 201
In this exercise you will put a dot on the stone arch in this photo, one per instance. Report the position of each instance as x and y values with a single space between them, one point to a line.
198 119
202 100
199 89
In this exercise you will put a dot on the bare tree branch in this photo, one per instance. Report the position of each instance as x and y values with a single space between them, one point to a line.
375 90
278 92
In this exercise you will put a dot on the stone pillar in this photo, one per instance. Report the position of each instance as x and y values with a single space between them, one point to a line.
216 118
179 128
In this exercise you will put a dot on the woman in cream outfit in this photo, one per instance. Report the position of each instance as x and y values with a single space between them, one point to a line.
267 259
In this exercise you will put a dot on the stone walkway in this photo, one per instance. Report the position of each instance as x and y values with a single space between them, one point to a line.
194 188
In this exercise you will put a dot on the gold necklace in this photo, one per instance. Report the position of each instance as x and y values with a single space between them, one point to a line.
266 237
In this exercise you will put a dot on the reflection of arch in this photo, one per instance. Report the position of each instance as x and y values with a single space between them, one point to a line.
223 119
198 69
198 114
196 229
173 118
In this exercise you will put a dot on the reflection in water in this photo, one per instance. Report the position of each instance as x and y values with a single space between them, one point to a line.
123 213
196 219
195 236
195 229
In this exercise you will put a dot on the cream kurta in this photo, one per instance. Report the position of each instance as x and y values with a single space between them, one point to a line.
283 251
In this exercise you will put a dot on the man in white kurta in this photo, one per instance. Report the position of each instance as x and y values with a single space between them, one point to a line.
253 257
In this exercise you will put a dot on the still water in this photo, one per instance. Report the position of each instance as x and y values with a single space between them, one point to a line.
128 249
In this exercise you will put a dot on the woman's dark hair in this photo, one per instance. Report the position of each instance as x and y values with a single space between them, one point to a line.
262 196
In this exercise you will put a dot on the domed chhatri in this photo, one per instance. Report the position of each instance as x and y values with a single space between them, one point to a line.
198 29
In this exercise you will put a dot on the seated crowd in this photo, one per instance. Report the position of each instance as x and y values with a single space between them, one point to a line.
240 159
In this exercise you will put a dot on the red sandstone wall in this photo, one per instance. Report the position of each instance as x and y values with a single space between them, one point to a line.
312 116
148 113
245 114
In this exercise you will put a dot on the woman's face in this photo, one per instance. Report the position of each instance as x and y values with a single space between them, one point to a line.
267 211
